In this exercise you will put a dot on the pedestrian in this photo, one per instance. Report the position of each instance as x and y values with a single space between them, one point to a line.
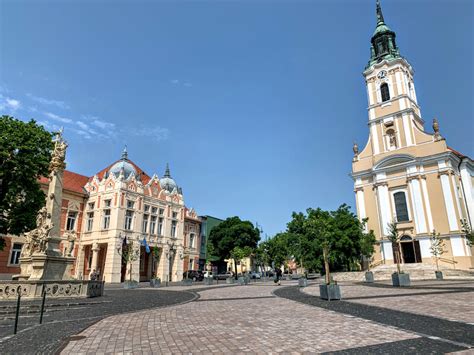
93 275
278 273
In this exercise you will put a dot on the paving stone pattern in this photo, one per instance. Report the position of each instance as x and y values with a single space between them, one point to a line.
233 320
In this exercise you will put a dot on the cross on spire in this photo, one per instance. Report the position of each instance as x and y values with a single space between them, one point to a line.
379 13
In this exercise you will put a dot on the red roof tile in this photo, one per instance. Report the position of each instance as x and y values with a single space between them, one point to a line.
459 154
71 181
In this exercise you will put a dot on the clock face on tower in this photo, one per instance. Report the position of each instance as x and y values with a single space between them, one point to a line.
382 74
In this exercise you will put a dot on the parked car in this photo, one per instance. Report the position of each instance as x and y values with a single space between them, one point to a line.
194 275
255 275
224 276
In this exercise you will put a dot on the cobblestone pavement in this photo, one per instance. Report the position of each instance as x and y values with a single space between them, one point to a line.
234 320
64 318
451 300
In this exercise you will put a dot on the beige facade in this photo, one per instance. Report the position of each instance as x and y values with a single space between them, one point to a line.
410 176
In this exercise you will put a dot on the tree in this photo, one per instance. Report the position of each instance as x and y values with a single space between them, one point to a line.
129 254
367 243
231 233
437 247
468 232
394 237
25 153
238 254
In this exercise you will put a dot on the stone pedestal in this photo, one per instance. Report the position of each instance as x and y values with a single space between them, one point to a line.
45 267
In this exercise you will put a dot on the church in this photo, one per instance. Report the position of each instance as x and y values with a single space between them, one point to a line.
118 206
405 174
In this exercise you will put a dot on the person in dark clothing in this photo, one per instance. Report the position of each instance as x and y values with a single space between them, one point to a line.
277 276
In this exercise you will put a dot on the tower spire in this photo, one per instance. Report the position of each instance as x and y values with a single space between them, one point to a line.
125 153
380 19
167 171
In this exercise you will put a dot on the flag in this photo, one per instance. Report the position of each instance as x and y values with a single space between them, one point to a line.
145 244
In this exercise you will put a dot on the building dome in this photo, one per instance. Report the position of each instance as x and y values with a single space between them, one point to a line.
123 165
167 183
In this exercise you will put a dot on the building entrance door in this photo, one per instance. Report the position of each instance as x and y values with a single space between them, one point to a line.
410 250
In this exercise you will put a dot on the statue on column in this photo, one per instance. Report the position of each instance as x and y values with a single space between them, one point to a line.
355 149
59 153
71 238
437 136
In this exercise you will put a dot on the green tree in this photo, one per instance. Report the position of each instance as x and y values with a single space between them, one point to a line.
437 247
238 254
231 233
394 237
25 153
468 232
367 244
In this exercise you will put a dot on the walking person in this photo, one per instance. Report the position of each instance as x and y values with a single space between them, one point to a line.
278 273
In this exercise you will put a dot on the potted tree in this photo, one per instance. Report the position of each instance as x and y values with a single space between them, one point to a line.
238 254
399 278
367 249
155 281
437 249
129 254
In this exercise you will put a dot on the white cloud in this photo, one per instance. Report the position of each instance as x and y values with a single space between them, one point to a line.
55 117
174 81
44 101
188 85
8 104
157 133
82 125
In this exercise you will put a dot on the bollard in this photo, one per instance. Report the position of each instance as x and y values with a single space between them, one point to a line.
18 290
42 304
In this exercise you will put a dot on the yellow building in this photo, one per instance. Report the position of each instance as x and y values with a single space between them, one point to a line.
405 174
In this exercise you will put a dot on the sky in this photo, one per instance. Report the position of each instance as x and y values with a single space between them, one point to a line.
254 104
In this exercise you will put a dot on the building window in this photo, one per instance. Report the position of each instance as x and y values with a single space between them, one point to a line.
147 208
384 92
175 215
152 224
128 220
130 204
191 264
160 226
162 211
154 209
106 223
401 208
173 229
145 224
192 240
71 221
91 205
107 203
90 220
15 256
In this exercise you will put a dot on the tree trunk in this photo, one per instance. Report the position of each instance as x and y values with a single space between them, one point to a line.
326 266
398 257
235 268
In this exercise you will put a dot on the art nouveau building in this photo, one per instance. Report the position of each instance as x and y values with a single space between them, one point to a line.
121 205
405 174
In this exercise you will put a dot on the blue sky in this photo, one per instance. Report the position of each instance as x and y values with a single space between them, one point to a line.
255 104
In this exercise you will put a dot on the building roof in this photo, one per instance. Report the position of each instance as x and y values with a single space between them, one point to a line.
459 154
71 181
144 176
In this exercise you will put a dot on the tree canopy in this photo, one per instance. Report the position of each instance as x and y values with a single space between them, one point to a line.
231 233
25 153
307 234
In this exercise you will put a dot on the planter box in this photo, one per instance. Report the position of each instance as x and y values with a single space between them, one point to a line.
229 280
439 275
243 280
329 292
130 284
302 282
400 280
207 281
155 283
187 282
369 276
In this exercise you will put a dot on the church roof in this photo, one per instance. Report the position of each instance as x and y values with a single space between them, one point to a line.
459 154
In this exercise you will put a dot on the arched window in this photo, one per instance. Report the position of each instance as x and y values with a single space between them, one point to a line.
384 92
401 208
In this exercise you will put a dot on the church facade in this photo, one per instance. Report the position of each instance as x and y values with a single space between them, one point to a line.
405 174
122 206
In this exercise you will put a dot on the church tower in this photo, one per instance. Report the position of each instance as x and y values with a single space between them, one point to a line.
404 174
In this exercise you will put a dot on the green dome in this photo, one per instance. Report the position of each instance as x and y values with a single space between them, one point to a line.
381 28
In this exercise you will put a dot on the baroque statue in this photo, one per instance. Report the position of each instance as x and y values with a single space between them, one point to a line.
59 153
436 129
37 239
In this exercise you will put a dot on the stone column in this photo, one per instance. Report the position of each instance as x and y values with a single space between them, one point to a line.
80 263
95 256
383 201
113 263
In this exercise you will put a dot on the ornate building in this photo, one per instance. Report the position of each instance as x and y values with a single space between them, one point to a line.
405 174
122 205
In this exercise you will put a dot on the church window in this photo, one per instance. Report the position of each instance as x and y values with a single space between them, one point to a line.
384 91
401 208
71 221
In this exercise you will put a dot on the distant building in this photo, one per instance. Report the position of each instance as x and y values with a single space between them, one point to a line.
120 204
207 223
405 174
